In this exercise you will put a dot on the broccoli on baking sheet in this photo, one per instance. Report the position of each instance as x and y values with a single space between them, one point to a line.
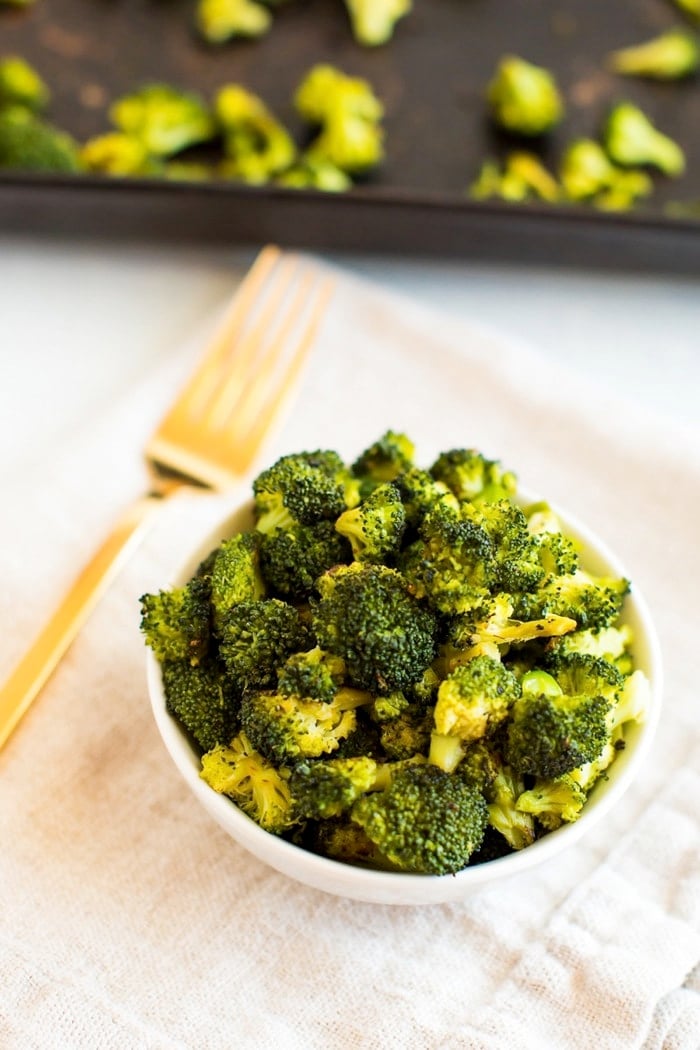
397 667
348 116
669 56
21 85
631 140
373 21
30 143
219 20
524 98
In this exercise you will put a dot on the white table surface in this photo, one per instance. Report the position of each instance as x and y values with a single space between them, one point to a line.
81 321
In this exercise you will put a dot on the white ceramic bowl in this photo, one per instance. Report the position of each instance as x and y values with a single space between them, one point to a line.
395 888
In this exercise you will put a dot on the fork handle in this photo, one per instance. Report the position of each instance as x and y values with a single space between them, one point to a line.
40 660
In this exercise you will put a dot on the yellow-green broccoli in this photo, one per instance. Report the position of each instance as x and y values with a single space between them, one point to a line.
669 56
373 21
632 140
21 85
165 119
523 98
220 20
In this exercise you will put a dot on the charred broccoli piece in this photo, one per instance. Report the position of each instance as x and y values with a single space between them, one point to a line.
367 615
425 822
294 557
516 826
553 802
593 602
314 675
342 840
256 144
376 526
524 98
235 574
177 623
203 699
473 477
328 787
260 790
305 488
256 637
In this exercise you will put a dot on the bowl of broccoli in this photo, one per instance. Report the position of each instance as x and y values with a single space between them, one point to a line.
396 683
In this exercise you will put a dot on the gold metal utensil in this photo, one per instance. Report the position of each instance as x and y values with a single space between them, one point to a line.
209 437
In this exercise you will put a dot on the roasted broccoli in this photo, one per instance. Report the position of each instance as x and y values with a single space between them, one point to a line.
118 154
669 56
632 140
21 85
314 173
373 21
328 787
165 119
425 822
177 623
308 487
240 772
256 637
31 144
203 699
256 144
220 20
523 98
349 116
553 802
235 574
421 493
367 615
593 602
515 825
376 526
314 675
471 476
523 177
293 558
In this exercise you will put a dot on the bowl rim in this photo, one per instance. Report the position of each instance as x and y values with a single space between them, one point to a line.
374 886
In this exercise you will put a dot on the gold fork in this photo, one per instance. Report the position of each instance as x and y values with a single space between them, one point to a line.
209 437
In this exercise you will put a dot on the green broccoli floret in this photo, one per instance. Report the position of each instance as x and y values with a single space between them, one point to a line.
579 673
632 140
524 98
176 623
240 772
328 787
612 643
307 488
421 493
256 637
480 765
472 702
342 840
470 476
256 144
31 144
235 574
21 85
220 20
349 115
592 601
669 56
384 460
425 822
516 553
376 526
373 21
390 706
290 728
165 119
118 154
553 802
314 173
516 826
295 556
550 733
367 616
407 734
524 177
493 622
689 7
203 699
314 675
452 564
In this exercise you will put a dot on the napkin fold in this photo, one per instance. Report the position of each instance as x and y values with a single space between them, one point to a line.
129 920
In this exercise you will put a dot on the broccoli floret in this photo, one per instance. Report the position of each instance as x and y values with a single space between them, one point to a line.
165 119
363 740
550 733
314 675
240 772
256 144
421 493
493 623
235 574
31 144
118 154
220 20
632 703
176 623
385 459
493 847
632 140
553 802
524 98
516 827
470 476
407 734
612 643
314 173
256 637
524 177
425 822
21 85
587 774
376 526
328 787
471 702
298 488
452 564
373 21
290 728
689 7
385 708
341 839
349 115
516 553
593 602
669 56
579 673
294 557
203 699
367 616
480 765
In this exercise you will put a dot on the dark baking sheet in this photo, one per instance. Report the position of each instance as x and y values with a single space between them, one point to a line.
431 78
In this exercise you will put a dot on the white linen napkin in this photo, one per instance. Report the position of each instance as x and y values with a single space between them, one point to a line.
129 920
